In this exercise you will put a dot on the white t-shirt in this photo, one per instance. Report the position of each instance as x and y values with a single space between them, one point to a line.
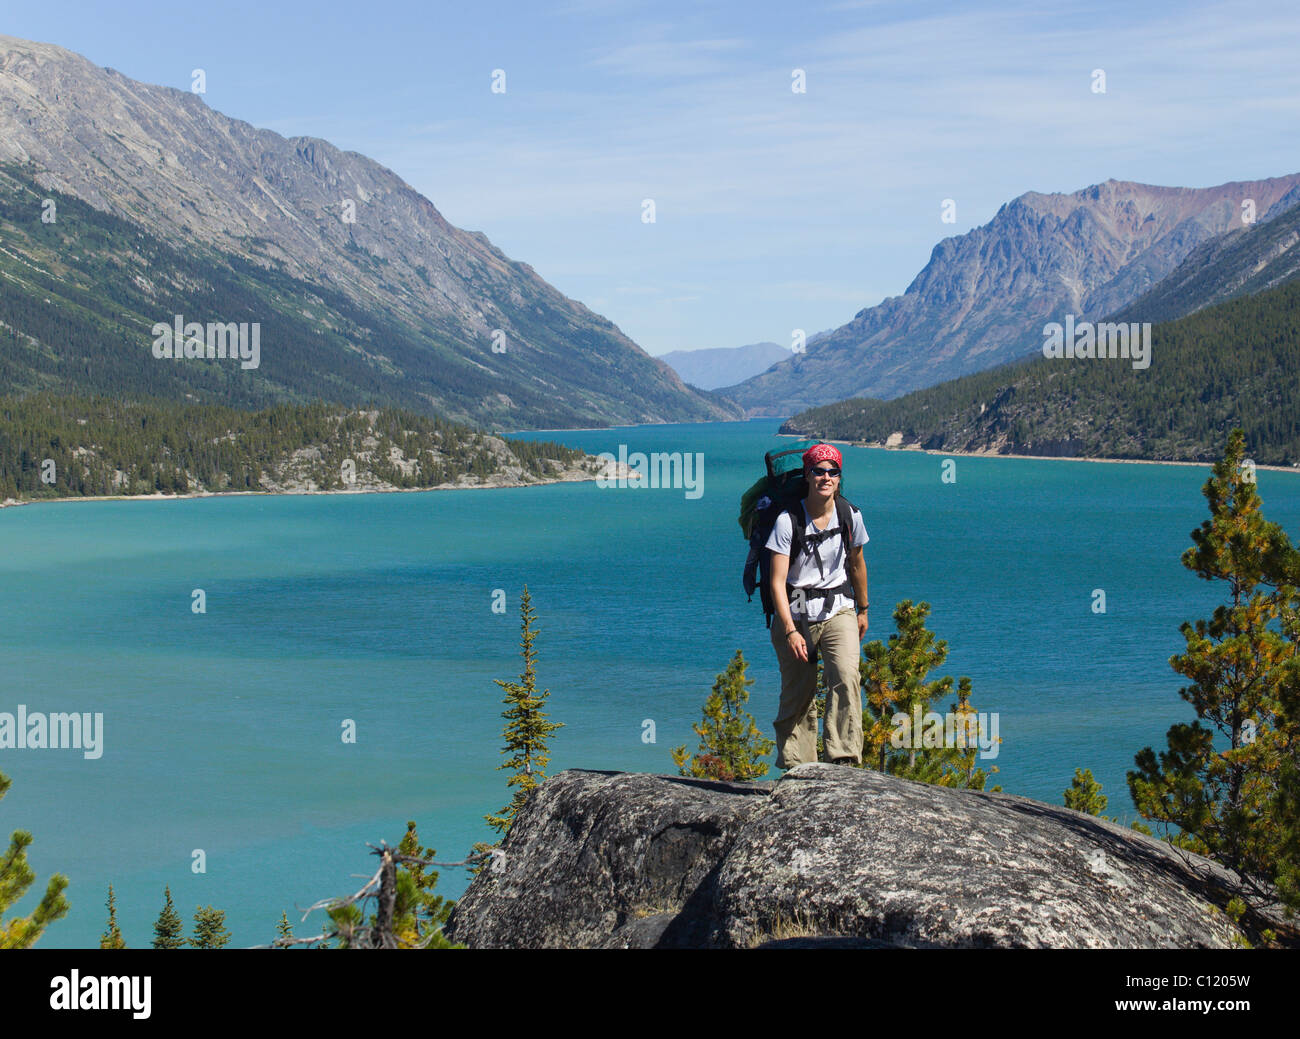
804 572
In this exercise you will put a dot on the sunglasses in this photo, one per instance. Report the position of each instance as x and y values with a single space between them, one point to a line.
826 472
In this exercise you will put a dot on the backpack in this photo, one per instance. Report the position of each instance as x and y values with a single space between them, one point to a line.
783 489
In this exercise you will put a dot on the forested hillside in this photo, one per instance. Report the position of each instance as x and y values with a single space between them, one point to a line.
55 446
985 294
83 290
363 290
1235 364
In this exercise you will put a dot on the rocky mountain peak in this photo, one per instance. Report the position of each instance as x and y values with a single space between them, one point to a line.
984 296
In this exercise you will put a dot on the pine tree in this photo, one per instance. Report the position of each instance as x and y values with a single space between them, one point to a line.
1227 801
895 683
1084 793
1287 810
526 730
167 930
955 766
348 921
210 929
893 680
409 915
16 876
419 914
731 744
112 937
283 932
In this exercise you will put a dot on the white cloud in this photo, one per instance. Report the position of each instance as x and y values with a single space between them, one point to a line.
668 58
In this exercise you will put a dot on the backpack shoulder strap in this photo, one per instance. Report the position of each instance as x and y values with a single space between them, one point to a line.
844 510
797 536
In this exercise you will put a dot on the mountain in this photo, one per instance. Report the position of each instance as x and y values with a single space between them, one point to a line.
1242 262
984 296
365 287
724 366
1231 364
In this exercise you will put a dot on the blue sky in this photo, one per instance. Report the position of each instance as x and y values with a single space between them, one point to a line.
774 210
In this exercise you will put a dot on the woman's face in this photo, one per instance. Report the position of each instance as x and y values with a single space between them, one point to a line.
824 476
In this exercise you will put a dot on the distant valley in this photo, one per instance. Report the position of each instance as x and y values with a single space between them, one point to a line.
724 366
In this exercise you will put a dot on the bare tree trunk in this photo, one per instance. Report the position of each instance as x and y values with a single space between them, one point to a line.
383 937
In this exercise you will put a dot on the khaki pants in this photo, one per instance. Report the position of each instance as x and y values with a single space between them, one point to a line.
836 641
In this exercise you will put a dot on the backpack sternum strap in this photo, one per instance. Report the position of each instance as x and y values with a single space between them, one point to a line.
801 541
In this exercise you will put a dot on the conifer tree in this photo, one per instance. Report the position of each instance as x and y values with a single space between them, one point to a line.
283 931
112 936
349 922
894 682
527 729
732 747
1287 876
167 930
16 876
409 915
210 929
418 914
1084 793
955 766
1226 801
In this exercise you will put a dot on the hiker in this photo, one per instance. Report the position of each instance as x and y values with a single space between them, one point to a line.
814 596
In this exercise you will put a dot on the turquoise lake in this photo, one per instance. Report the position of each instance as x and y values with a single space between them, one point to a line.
222 731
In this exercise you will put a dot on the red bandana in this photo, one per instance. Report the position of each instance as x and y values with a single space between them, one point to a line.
821 453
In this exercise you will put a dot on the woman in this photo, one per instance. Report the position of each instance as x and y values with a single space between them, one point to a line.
818 580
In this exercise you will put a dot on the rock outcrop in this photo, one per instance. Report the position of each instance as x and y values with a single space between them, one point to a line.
829 856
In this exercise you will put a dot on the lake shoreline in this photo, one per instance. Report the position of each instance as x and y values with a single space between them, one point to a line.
19 503
1040 458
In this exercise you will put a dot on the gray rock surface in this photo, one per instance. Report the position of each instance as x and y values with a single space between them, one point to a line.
829 856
